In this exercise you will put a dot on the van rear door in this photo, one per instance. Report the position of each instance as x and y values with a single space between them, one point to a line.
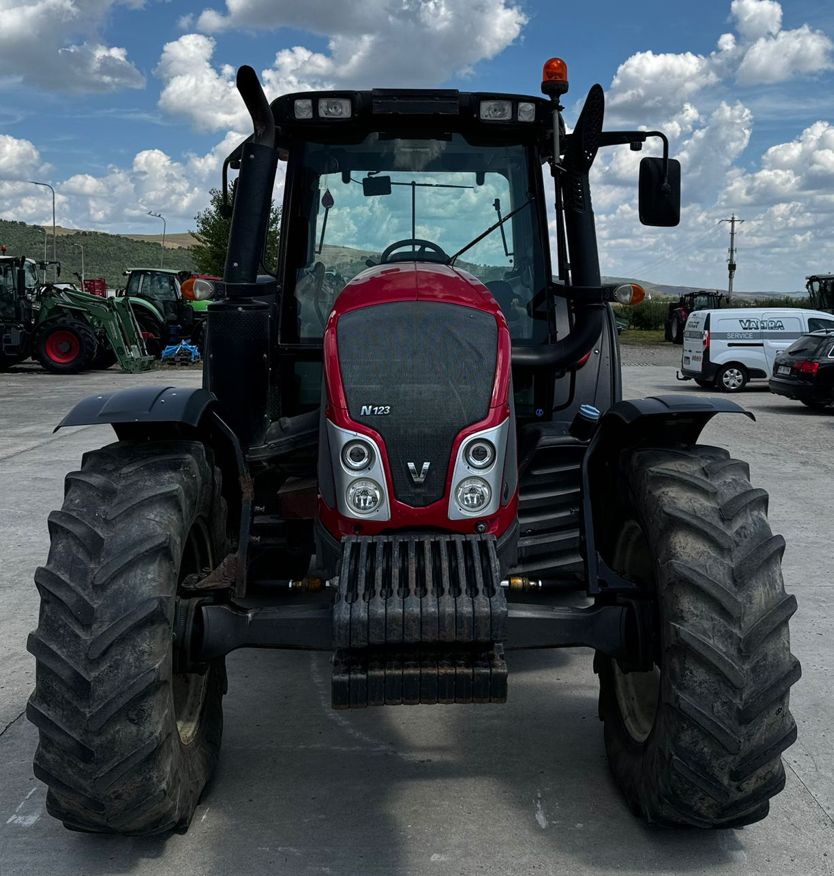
692 355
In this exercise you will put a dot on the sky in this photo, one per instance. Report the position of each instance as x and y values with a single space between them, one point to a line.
127 106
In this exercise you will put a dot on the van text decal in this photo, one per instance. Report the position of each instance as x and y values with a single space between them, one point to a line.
762 324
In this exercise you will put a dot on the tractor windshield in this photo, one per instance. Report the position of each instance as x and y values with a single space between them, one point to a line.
390 199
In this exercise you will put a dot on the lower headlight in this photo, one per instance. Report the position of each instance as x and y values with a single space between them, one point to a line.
473 494
364 496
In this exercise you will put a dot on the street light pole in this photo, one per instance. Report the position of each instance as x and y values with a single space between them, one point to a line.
164 225
81 247
54 234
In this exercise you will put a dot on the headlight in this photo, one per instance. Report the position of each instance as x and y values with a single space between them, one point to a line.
334 108
480 454
357 455
304 108
473 494
364 496
496 110
527 112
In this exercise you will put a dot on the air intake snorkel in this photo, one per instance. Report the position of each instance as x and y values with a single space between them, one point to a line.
253 192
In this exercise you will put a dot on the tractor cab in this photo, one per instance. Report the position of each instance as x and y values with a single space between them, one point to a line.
169 304
163 289
821 291
18 280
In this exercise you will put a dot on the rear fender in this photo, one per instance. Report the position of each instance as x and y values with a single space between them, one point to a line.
648 422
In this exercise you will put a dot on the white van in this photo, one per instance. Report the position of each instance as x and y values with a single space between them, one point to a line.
726 348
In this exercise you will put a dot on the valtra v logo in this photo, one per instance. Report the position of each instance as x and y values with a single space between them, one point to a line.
418 478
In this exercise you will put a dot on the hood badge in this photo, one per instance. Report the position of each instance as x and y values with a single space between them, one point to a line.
418 478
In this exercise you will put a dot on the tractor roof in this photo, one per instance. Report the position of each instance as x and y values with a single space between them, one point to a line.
820 277
495 117
158 270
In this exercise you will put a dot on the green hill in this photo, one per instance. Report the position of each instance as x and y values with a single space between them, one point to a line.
105 255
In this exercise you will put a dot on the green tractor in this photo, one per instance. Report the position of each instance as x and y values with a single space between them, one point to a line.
170 305
63 329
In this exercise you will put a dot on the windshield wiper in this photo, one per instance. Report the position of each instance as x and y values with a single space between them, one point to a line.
498 224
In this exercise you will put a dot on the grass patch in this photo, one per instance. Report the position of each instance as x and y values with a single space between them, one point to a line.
642 338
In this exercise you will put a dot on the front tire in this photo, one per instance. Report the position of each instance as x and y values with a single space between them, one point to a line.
696 740
65 346
127 744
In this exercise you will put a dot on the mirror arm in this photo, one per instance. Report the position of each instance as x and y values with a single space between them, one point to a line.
665 140
623 138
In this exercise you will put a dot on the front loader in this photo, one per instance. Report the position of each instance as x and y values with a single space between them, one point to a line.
63 329
409 447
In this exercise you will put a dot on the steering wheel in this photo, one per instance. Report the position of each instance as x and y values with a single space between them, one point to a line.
419 254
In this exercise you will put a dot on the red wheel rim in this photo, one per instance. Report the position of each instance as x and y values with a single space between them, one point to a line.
62 347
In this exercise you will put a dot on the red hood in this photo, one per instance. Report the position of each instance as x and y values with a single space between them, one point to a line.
415 281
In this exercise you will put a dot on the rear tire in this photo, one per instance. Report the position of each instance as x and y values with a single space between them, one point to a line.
697 740
816 405
731 378
65 346
126 743
676 332
706 384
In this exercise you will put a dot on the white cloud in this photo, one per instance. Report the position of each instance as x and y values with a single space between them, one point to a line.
420 43
755 19
789 53
194 90
57 45
19 159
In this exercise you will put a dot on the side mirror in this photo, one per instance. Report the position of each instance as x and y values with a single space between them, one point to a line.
376 185
660 195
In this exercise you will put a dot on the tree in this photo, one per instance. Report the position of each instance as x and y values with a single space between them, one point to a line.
212 235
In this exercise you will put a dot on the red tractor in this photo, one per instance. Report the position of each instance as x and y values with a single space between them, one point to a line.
410 444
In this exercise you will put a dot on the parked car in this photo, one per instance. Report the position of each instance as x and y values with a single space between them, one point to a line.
725 349
805 371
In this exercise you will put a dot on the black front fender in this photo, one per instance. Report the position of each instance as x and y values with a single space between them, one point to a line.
141 404
647 422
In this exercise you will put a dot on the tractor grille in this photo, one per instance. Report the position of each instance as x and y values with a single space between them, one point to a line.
549 513
427 370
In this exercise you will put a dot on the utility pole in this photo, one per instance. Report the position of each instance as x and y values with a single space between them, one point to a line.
164 225
731 262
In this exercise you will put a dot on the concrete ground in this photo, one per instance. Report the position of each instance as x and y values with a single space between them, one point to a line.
516 789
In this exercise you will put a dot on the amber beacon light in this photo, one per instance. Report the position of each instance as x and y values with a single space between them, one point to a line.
555 77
